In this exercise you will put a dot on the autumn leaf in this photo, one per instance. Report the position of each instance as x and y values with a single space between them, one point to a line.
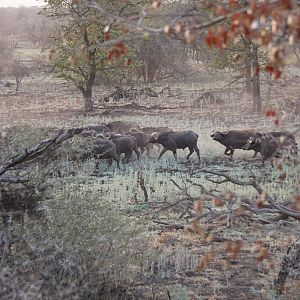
106 36
296 204
156 4
263 253
220 11
270 113
217 202
179 27
210 39
233 248
204 261
276 74
276 122
198 206
127 62
233 3
189 36
168 29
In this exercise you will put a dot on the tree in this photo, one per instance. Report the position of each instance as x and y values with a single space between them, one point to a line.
76 54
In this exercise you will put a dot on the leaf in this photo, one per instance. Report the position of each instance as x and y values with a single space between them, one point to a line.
156 4
221 11
282 176
204 261
270 113
189 36
168 29
277 74
263 253
127 62
106 29
198 206
106 36
179 27
217 202
210 39
233 3
233 248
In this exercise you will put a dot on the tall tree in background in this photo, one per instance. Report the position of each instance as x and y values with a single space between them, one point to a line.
76 55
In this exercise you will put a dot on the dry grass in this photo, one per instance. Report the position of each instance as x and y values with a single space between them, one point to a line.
176 268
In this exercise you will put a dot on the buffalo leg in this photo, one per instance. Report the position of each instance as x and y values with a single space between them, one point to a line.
97 165
163 151
142 149
175 154
191 152
117 160
127 157
255 153
226 151
231 153
136 151
197 151
148 147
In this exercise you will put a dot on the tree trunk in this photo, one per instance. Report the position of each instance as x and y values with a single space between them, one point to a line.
248 71
257 104
88 91
87 99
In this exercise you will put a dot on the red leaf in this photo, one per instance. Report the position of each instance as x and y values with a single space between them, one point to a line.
277 74
270 113
233 3
286 4
269 69
210 39
276 122
127 62
106 36
220 11
256 71
110 55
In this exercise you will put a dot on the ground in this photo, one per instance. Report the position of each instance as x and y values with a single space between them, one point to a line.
188 265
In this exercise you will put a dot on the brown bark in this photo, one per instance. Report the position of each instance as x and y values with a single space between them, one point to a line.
257 104
87 92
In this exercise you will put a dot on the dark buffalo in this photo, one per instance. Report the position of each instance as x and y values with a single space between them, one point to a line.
142 140
150 130
125 144
272 148
121 126
91 130
233 139
253 143
176 140
105 149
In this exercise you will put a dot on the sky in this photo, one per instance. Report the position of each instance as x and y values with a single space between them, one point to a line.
17 3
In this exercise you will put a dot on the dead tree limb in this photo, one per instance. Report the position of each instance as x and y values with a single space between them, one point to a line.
253 182
36 151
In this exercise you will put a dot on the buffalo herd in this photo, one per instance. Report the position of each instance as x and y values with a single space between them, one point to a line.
112 139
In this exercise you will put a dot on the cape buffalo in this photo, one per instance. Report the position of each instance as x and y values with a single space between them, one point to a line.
176 140
271 147
233 139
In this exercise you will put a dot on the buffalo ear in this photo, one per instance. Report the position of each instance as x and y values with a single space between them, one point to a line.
155 136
